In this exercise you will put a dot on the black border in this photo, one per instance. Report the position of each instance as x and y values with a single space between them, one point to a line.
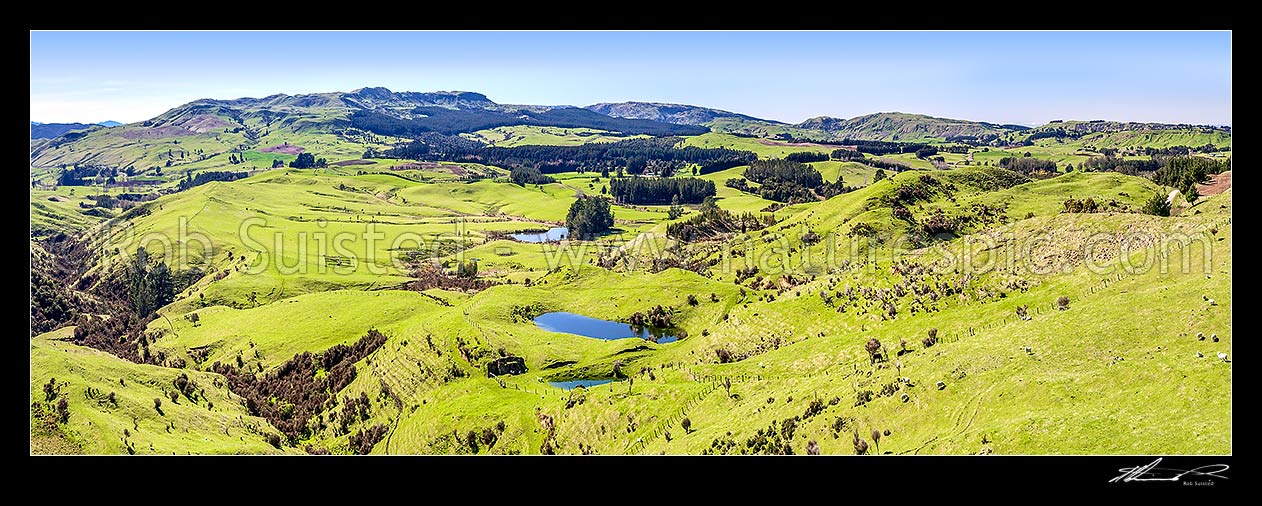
561 477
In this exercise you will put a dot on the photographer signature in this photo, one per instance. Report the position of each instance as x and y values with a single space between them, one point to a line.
1151 472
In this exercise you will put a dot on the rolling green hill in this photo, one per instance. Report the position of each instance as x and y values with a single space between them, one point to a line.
383 305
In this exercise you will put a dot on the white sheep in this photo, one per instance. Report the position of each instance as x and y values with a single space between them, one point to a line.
1200 355
1200 336
1222 356
1213 337
1212 303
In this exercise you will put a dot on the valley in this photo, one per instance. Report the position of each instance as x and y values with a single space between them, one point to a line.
381 272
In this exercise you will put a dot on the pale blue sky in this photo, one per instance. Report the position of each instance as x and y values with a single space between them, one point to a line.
1005 77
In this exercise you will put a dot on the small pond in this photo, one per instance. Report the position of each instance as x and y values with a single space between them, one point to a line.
553 234
585 383
571 323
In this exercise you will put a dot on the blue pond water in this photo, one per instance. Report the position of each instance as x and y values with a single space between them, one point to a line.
571 323
585 383
553 234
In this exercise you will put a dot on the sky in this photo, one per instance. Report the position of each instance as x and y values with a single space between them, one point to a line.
1003 77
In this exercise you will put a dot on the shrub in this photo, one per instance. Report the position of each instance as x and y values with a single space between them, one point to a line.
1157 206
686 424
274 440
812 448
1062 303
692 300
860 446
50 389
363 441
63 410
489 437
814 408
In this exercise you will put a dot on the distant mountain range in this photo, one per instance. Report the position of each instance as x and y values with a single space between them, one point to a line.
382 112
678 114
51 130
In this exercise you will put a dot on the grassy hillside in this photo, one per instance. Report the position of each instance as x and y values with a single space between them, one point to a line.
214 422
1006 323
529 135
765 148
792 349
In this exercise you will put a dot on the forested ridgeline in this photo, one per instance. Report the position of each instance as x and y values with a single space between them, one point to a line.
634 156
454 121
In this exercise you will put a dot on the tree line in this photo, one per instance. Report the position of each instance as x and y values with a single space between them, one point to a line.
1026 165
202 178
641 190
454 121
634 156
807 157
523 176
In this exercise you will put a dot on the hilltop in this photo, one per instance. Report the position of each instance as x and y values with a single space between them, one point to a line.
897 126
680 114
51 130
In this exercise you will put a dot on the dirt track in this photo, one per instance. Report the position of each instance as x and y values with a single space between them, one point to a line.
1217 184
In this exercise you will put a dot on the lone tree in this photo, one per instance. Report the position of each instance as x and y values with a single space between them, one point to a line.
686 424
873 347
676 209
157 404
876 439
589 216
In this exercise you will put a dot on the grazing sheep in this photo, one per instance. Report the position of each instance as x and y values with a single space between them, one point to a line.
1222 356
904 397
1212 303
1200 355
1200 336
1213 337
941 385
1204 297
